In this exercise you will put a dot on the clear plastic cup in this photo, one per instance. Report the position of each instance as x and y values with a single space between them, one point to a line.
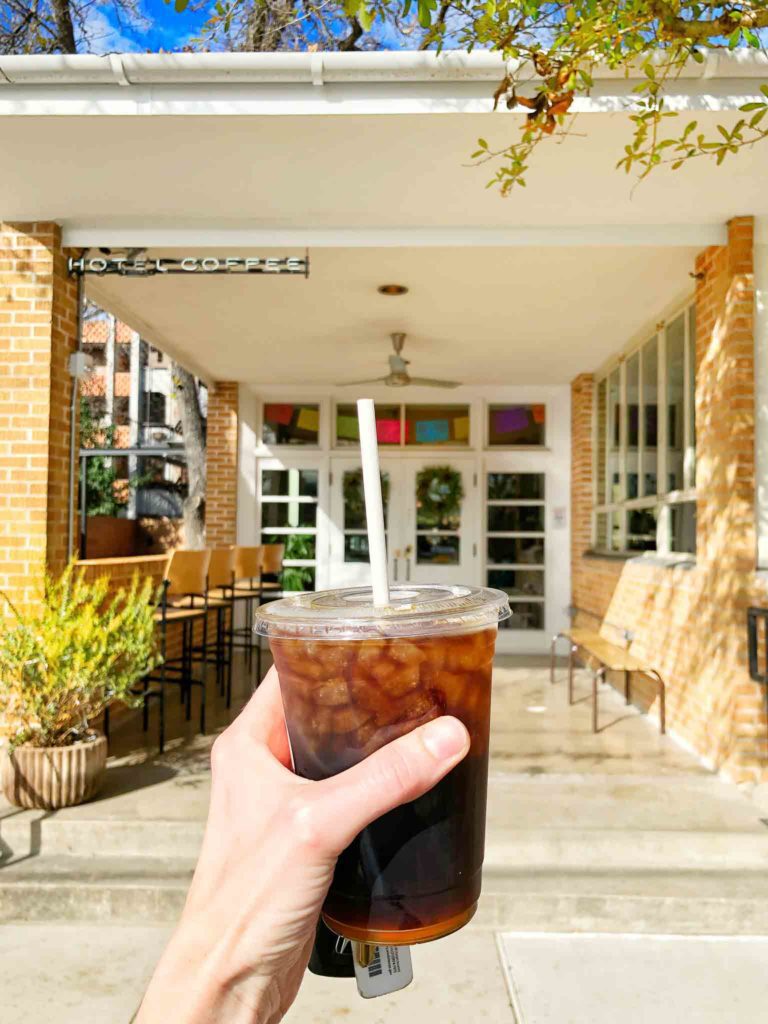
353 677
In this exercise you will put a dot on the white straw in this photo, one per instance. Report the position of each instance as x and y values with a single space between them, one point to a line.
374 506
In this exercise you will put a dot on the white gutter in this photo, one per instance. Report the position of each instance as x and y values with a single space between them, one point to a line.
315 68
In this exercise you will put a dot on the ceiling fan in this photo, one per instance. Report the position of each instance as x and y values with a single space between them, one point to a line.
398 376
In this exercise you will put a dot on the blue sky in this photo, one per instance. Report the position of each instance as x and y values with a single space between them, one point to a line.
158 28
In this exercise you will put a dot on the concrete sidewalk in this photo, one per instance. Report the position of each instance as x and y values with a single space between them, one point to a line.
619 832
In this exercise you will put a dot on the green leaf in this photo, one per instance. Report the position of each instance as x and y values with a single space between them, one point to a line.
764 90
366 17
698 56
733 39
180 6
757 105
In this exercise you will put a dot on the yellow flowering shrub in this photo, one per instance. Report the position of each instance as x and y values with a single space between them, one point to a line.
80 649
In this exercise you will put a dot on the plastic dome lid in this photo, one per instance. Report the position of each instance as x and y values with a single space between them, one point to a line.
414 610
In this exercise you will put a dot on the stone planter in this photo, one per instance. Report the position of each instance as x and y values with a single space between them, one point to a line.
52 777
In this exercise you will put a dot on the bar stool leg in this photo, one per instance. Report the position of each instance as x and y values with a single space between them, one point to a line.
231 653
205 671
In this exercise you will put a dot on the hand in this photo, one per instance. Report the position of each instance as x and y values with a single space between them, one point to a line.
270 845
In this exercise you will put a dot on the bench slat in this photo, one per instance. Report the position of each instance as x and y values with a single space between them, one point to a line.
615 658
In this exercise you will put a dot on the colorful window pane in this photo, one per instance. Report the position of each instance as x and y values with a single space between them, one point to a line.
291 423
516 425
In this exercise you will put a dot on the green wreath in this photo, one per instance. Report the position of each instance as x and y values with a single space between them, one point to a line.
439 494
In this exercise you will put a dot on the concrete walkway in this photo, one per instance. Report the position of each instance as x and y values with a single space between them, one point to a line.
620 832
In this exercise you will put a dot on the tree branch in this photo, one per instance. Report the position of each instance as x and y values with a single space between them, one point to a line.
355 32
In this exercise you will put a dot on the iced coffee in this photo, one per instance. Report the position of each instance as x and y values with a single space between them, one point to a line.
352 679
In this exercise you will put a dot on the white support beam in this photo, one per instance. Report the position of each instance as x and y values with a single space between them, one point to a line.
197 236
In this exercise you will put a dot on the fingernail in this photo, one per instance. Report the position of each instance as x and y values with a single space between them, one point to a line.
445 737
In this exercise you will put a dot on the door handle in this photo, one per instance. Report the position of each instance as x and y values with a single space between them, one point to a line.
408 552
395 564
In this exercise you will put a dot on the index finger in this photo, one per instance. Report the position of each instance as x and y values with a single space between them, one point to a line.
263 718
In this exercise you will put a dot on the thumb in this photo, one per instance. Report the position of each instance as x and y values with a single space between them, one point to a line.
398 772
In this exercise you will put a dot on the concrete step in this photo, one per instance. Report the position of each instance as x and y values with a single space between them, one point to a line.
133 890
507 848
142 890
638 850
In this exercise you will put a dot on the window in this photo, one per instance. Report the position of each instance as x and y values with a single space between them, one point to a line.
291 423
515 514
289 517
513 426
437 425
388 425
645 445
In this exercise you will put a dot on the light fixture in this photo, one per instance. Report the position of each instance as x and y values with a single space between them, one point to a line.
392 289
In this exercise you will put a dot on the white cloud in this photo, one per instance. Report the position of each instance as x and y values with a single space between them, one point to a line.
99 35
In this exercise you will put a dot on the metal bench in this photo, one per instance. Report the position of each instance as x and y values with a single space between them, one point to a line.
608 657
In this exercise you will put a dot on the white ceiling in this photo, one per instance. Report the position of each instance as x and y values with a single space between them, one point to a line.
396 171
536 315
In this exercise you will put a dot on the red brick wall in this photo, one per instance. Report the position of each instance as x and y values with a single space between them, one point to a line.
689 622
221 452
38 331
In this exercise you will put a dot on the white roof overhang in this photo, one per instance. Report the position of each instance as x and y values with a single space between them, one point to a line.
368 152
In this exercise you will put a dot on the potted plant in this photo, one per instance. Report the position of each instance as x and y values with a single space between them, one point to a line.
61 664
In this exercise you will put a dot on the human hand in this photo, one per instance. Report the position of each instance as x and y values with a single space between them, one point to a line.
270 845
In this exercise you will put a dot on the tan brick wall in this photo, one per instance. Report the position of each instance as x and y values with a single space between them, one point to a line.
689 622
221 452
38 331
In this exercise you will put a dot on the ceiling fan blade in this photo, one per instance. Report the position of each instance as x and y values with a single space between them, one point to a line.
430 382
370 380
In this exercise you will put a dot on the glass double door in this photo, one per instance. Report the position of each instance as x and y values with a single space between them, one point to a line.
430 521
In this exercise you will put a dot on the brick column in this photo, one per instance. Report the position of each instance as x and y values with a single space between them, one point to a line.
221 452
725 410
38 331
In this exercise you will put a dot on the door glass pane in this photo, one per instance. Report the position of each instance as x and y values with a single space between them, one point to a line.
613 479
297 545
439 495
525 615
437 425
355 520
683 527
290 423
516 550
602 413
356 547
675 406
641 529
518 582
437 549
691 454
516 519
508 486
298 548
354 499
515 425
289 481
387 425
649 421
633 424
288 513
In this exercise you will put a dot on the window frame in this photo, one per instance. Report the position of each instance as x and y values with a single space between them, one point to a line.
663 499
